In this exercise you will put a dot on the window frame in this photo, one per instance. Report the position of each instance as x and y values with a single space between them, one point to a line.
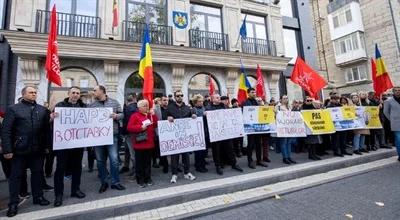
3 14
254 24
351 42
74 7
361 74
206 15
147 5
342 17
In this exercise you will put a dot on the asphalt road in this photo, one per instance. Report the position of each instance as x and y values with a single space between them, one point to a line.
355 196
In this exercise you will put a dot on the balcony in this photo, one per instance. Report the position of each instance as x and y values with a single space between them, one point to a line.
69 24
337 4
258 46
208 40
159 34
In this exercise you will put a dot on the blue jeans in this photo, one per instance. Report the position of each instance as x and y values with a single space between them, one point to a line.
285 146
397 141
358 141
101 158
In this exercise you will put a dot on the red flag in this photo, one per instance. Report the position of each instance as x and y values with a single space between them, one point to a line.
52 61
260 84
212 86
307 78
115 14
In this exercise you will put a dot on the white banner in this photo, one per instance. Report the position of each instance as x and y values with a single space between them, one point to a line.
259 119
82 127
182 135
225 124
290 124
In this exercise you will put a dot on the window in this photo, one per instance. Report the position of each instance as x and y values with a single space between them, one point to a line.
255 26
87 7
349 43
205 18
342 17
2 14
356 74
286 8
147 11
290 42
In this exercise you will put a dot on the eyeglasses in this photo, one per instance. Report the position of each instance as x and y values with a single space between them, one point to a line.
179 95
309 100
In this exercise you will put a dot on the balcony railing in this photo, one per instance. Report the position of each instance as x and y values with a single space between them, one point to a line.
159 34
69 24
208 40
258 46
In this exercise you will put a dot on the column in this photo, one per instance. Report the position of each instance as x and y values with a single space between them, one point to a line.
30 71
272 83
231 78
178 71
111 69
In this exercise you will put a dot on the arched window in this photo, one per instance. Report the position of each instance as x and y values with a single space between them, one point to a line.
72 77
134 84
200 84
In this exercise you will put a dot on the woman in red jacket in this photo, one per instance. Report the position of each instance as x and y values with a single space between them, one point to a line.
142 125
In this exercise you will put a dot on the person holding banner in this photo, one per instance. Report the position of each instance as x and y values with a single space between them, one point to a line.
142 125
391 110
237 142
312 141
71 158
284 142
200 155
103 101
224 148
162 114
178 109
254 140
359 134
377 135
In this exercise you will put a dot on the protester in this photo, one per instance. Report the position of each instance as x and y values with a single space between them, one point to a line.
377 135
142 125
178 109
24 140
392 112
225 101
222 149
312 141
237 142
161 112
254 140
359 134
200 155
285 143
69 157
103 101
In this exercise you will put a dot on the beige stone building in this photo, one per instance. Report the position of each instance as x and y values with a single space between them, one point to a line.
346 34
93 52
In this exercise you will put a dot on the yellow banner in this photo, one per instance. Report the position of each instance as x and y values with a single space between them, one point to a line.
349 112
318 121
266 115
373 117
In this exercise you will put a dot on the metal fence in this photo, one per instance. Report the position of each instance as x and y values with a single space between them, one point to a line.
258 46
159 34
208 40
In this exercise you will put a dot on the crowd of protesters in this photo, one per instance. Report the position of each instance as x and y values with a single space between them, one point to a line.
26 140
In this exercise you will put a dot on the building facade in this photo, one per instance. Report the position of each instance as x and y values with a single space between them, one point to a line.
190 40
347 31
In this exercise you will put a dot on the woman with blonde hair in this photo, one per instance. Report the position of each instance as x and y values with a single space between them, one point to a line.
359 134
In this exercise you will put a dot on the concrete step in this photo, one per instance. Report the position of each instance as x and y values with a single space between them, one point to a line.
130 204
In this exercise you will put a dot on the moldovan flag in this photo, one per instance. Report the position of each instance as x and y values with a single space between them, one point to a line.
52 61
260 91
380 76
212 86
244 84
307 78
146 67
115 14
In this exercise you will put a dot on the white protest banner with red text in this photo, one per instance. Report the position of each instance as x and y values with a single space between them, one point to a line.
290 124
225 124
82 127
181 136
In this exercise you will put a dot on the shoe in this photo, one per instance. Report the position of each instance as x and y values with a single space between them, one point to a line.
150 183
68 178
239 155
338 155
41 201
174 178
316 157
291 161
325 153
202 170
165 169
155 165
364 150
386 147
142 185
286 161
118 186
78 194
262 164
24 195
58 201
252 165
236 167
103 188
357 152
189 176
12 210
47 188
347 153
179 170
124 170
374 148
219 170
267 160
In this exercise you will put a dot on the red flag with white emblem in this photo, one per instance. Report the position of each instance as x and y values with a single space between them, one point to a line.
260 91
52 61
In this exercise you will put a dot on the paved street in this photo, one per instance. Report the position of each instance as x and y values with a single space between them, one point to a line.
355 196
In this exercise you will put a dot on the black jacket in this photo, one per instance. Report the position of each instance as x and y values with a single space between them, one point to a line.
26 128
183 111
212 107
250 102
65 103
128 111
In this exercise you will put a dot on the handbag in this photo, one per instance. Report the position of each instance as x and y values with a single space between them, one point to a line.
140 137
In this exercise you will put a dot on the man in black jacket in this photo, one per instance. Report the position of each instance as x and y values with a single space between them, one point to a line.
222 148
69 158
25 139
254 140
179 109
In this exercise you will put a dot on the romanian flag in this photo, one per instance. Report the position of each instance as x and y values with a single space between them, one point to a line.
380 76
115 14
146 67
244 84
